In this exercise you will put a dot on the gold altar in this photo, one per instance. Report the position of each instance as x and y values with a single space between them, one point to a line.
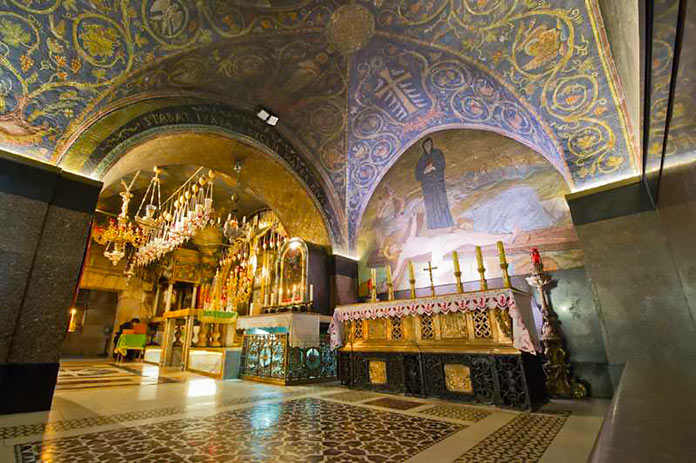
474 347
486 331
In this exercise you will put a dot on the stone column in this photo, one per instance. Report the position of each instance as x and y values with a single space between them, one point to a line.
45 216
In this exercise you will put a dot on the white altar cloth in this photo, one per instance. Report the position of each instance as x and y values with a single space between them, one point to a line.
303 328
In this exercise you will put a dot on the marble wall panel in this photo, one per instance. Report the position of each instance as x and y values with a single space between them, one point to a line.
21 220
43 319
638 293
677 209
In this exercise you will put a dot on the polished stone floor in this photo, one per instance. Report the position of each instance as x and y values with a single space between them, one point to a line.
198 419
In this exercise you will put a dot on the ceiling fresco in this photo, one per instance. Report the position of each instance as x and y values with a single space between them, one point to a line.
355 84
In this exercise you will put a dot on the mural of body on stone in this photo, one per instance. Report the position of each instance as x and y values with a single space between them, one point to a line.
471 188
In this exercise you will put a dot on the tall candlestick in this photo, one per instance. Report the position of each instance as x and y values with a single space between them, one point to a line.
481 269
412 279
373 279
457 272
390 286
504 265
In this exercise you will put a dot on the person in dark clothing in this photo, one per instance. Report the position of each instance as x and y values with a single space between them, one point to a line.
430 172
124 326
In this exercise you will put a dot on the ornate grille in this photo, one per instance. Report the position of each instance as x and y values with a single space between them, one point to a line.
397 330
482 325
359 329
427 329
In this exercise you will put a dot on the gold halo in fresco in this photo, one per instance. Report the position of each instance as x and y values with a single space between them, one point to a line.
350 28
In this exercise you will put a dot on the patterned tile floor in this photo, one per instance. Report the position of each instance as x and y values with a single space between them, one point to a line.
83 375
239 421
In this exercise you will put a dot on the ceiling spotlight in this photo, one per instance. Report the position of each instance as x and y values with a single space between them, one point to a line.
267 117
263 114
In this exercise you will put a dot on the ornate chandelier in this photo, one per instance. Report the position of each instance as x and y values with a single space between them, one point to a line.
187 210
120 232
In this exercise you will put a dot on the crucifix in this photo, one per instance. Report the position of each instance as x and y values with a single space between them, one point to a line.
430 272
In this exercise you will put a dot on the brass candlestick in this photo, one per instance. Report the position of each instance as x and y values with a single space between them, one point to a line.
481 269
412 279
559 380
430 272
390 284
504 265
457 272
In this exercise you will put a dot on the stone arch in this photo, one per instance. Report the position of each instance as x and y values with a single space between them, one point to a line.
98 149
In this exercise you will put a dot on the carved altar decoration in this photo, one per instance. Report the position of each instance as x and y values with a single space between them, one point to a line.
559 380
478 346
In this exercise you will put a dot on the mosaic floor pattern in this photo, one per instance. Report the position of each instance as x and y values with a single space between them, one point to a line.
396 404
457 412
11 432
79 375
300 430
522 440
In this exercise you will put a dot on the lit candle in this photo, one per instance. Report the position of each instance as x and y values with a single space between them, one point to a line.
501 252
311 293
455 261
479 257
411 273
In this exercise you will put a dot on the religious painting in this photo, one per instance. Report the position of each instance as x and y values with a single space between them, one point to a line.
430 172
458 378
458 189
293 272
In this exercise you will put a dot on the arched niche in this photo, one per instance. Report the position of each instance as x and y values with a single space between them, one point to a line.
474 189
266 178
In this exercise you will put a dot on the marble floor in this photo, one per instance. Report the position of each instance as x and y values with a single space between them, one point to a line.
198 419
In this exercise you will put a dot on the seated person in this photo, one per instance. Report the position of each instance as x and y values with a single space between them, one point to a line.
126 328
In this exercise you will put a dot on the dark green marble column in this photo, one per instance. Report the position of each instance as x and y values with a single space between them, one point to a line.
45 215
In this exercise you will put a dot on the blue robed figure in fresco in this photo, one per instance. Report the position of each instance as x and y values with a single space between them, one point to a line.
430 172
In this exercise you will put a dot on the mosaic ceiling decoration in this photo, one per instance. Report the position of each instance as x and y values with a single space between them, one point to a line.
355 84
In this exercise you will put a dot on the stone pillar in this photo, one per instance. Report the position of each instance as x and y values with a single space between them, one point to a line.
641 304
45 215
343 278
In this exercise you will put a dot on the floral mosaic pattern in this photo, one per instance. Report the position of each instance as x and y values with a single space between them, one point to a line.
457 412
300 430
505 444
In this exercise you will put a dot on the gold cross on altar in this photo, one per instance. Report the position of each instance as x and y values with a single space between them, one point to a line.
430 272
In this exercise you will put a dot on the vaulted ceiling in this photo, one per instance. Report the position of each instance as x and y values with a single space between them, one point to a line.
354 83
